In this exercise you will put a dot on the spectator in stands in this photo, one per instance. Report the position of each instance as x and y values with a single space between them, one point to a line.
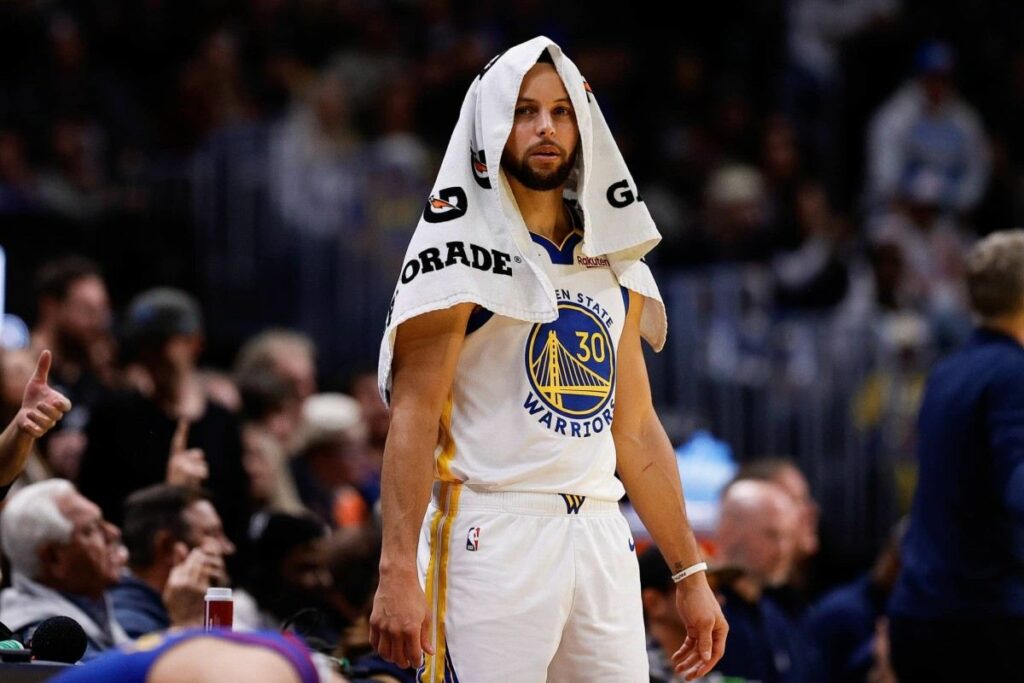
211 88
220 388
876 287
74 185
927 127
173 433
735 225
64 559
377 418
333 447
375 412
290 581
73 319
316 162
782 167
813 273
289 355
785 473
758 532
961 588
932 245
353 556
40 408
272 486
176 549
812 81
270 402
844 623
272 371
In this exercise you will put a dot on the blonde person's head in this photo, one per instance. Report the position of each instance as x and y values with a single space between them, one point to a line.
995 275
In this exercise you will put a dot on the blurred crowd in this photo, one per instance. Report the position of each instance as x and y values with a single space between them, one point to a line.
242 179
166 478
849 149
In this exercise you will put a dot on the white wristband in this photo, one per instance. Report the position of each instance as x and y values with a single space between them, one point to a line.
689 571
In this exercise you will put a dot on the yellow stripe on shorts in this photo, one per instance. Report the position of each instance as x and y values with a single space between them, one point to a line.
437 580
440 542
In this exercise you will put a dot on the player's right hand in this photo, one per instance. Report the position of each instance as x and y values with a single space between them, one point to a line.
706 628
399 623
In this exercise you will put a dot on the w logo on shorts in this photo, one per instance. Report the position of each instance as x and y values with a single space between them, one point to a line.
572 503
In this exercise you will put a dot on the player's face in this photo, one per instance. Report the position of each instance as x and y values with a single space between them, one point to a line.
542 147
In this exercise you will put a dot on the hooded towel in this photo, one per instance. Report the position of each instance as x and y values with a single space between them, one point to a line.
471 241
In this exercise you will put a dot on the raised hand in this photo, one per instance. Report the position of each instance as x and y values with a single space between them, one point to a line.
42 406
185 466
193 572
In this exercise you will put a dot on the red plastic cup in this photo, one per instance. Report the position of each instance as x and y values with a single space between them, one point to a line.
220 608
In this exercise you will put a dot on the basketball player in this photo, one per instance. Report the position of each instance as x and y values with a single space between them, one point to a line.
529 569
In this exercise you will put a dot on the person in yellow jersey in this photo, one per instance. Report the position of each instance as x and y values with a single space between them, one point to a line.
513 366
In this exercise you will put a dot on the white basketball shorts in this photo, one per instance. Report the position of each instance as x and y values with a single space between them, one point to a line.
530 587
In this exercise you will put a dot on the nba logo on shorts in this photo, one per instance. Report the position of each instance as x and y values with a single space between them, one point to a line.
473 538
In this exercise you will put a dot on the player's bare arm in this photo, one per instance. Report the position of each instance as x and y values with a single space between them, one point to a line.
426 355
647 466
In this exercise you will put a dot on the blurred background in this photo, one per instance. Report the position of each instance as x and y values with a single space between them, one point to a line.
817 168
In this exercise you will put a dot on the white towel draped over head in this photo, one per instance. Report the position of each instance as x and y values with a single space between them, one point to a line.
471 242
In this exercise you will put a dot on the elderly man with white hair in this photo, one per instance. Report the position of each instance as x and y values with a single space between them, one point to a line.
64 556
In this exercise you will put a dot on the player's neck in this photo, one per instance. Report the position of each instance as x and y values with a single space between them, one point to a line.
543 212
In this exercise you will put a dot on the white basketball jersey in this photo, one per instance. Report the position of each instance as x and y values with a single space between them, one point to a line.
532 404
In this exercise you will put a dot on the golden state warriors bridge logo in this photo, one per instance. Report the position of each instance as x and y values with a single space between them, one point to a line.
571 366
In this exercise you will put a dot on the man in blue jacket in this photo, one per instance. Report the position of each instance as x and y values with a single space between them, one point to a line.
957 612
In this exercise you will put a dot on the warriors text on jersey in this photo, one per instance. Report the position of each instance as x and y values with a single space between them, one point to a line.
532 404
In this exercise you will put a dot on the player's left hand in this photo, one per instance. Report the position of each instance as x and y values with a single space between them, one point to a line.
706 628
42 406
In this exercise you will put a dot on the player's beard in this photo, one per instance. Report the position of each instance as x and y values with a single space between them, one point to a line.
540 181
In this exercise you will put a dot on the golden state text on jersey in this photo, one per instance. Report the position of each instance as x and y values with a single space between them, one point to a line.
570 364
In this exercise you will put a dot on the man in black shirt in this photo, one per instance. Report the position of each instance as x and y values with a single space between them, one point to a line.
169 432
758 531
73 320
